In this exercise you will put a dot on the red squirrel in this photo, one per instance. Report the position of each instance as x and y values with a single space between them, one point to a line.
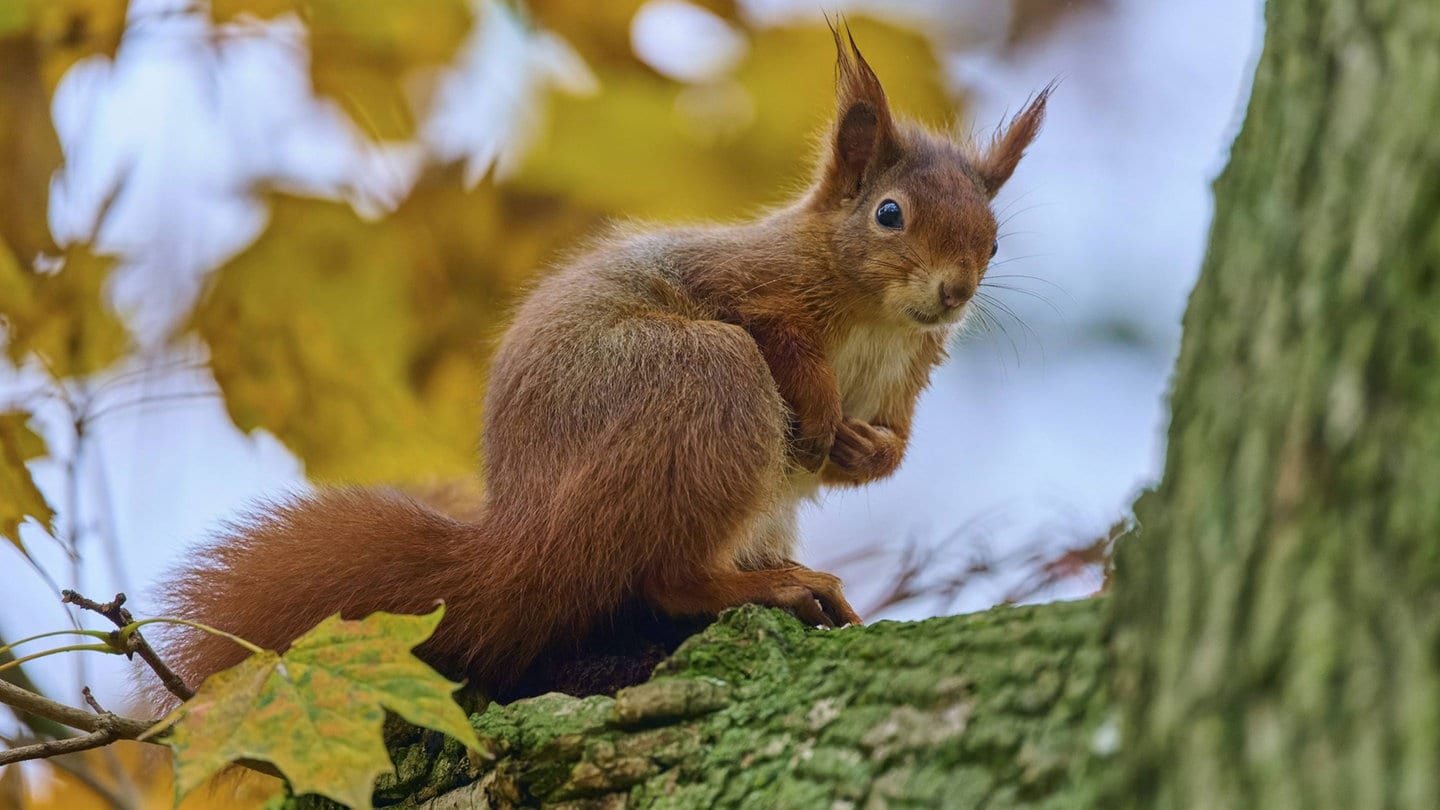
656 413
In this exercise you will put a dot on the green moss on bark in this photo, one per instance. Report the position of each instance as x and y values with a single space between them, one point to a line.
997 709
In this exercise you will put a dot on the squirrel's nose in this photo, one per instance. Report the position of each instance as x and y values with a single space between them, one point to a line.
955 293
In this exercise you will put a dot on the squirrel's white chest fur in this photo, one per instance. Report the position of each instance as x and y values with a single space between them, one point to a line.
871 364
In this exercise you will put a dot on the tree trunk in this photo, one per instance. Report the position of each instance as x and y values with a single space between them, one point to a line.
1277 620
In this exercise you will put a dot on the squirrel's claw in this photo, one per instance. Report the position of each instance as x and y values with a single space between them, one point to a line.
864 451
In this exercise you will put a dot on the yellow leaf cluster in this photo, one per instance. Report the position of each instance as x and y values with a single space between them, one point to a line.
55 313
29 150
60 316
39 41
360 344
316 712
67 31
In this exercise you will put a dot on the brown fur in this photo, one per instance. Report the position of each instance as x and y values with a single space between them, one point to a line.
656 413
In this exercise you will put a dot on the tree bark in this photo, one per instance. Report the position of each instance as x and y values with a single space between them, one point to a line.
998 709
1277 620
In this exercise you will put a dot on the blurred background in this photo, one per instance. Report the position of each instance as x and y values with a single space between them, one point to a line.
247 246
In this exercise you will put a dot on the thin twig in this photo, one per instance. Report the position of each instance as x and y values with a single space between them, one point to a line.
151 399
103 729
147 368
115 611
77 768
53 748
73 530
105 520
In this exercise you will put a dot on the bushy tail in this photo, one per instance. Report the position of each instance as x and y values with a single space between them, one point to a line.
275 574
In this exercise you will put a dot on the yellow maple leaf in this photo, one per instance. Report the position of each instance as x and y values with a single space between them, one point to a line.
61 316
316 712
360 344
19 497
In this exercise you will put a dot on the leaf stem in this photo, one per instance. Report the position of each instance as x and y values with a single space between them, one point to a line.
133 626
105 648
100 634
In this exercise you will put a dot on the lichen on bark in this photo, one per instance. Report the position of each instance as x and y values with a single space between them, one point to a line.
999 709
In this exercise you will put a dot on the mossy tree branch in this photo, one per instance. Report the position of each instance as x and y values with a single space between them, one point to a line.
1004 708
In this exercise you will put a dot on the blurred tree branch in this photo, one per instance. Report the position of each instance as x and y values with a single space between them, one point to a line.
17 677
104 728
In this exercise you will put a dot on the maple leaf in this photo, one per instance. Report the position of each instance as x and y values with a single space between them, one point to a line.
316 712
19 497
361 344
61 315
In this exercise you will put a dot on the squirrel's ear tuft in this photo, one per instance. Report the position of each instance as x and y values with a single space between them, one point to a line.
1008 145
863 140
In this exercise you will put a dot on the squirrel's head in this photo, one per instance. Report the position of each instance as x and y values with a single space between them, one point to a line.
910 209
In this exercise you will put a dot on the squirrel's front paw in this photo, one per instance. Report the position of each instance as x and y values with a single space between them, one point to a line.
864 452
810 443
809 453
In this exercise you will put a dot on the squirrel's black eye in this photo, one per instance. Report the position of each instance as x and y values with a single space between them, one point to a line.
995 248
889 216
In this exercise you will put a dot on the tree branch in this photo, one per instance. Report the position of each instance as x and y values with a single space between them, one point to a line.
135 643
17 677
78 768
52 748
104 727
27 701
91 701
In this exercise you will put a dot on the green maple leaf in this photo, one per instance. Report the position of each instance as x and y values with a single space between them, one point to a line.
316 712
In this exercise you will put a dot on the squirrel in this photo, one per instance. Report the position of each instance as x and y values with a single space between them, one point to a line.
656 413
